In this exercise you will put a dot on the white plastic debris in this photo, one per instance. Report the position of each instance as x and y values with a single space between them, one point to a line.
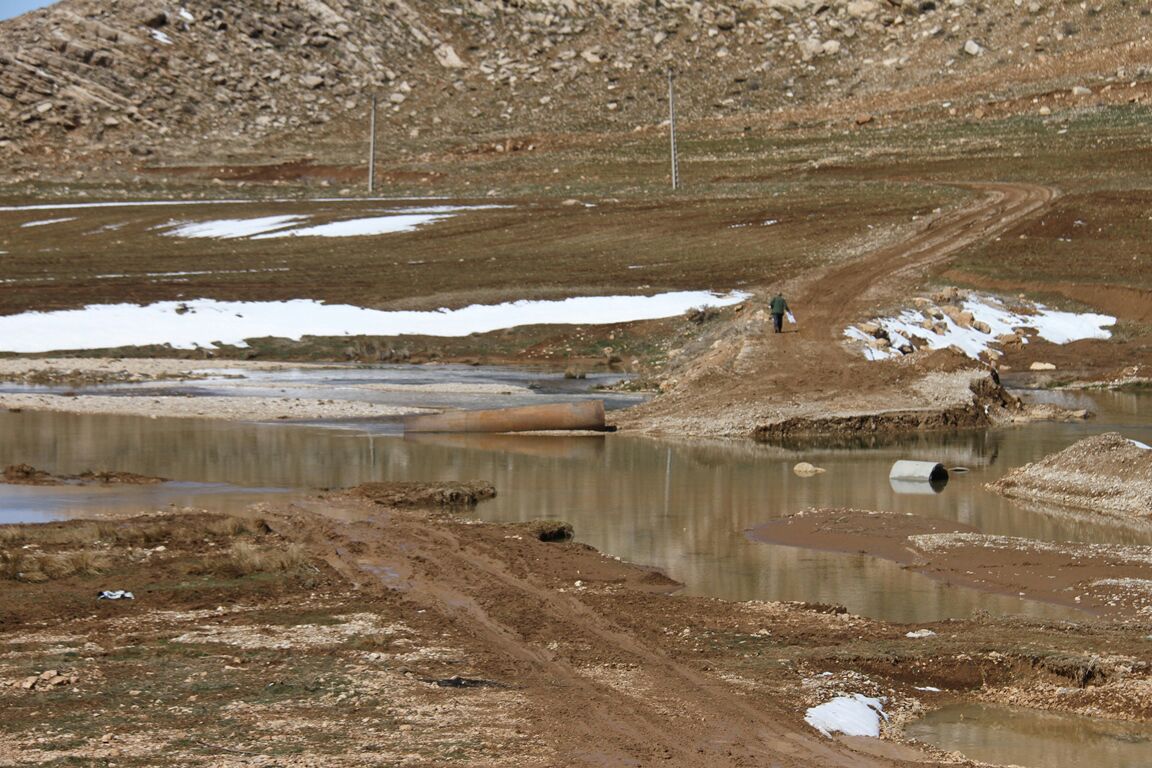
919 633
854 715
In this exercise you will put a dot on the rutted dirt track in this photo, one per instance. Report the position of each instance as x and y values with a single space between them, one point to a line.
642 706
751 377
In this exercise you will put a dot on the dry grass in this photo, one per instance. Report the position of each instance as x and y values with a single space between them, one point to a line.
246 558
35 567
133 532
48 552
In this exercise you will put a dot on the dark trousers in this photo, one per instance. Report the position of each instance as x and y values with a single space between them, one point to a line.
777 321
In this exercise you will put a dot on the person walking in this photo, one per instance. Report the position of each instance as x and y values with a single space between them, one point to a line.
778 307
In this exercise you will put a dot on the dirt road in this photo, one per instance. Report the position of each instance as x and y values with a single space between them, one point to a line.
750 377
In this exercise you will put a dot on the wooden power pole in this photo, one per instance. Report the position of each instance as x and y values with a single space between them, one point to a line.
672 132
372 149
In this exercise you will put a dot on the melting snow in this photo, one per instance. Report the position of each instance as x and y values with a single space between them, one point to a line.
205 322
226 229
376 225
1141 445
160 37
1050 325
45 222
854 715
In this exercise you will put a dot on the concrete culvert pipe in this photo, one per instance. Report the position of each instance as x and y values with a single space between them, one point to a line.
922 471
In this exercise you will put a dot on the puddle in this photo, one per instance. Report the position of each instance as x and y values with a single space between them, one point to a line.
680 506
1033 739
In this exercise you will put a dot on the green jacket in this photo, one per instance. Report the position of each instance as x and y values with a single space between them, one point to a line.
778 305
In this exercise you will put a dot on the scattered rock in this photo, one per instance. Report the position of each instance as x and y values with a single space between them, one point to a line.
448 58
1039 366
804 469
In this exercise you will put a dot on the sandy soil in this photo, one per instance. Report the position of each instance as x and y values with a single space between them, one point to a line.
349 631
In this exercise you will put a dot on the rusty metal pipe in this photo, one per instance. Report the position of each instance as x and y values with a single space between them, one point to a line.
587 414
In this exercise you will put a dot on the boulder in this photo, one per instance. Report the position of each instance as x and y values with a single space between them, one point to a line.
448 58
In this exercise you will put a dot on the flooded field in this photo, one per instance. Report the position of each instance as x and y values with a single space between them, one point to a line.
681 506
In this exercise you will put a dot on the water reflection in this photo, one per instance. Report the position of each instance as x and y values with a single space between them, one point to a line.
1014 736
678 505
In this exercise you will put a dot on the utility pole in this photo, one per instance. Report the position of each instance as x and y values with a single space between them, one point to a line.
372 149
672 132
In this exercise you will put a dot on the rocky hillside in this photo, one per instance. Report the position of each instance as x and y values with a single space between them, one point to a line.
205 78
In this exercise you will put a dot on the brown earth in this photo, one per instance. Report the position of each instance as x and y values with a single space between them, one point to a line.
346 632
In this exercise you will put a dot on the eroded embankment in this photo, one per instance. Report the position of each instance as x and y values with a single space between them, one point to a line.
989 403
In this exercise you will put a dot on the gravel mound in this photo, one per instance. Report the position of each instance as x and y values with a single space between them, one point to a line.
1106 473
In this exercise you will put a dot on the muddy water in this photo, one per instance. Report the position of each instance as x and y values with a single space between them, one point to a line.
1012 736
680 506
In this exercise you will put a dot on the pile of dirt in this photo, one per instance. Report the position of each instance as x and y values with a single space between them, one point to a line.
1106 473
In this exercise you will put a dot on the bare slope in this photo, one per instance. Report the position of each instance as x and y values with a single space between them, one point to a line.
290 77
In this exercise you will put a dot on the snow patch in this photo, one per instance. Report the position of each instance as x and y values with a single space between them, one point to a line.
227 229
1140 445
206 322
376 225
853 715
160 37
1051 325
